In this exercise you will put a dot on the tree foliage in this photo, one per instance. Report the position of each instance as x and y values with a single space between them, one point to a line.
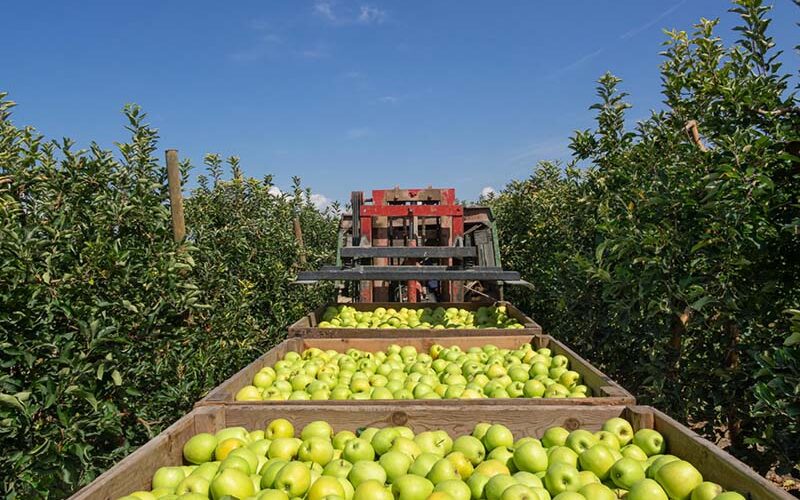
109 330
671 257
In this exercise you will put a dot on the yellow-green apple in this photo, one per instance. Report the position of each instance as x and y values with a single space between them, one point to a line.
497 485
285 448
580 440
658 463
597 491
168 477
442 470
372 490
260 447
561 477
412 487
519 492
383 439
357 450
471 447
248 455
555 436
366 471
294 478
423 464
457 489
528 479
316 449
480 429
406 445
599 460
341 438
530 457
232 482
497 435
533 389
396 464
324 487
650 441
729 495
279 428
319 428
608 438
477 483
706 491
646 489
200 448
678 478
491 468
634 452
225 446
272 495
562 454
620 428
337 468
269 471
626 472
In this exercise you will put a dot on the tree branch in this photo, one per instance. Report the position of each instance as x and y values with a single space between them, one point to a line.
694 134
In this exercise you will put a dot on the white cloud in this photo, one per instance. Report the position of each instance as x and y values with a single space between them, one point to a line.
488 192
359 132
389 99
370 15
274 191
319 200
325 9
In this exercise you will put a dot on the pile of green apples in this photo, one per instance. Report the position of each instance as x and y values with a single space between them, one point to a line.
395 463
490 317
403 373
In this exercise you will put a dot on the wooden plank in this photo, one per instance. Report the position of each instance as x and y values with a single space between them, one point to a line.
134 472
175 195
307 325
604 390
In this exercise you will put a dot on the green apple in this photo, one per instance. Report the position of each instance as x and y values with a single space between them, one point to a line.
270 470
607 438
411 487
599 460
678 478
634 452
461 463
383 439
519 492
372 490
324 487
423 464
341 438
626 472
231 482
561 477
430 442
471 447
407 445
580 440
480 430
528 479
279 428
337 468
366 471
193 484
284 448
620 428
457 489
442 470
533 389
396 464
555 436
497 435
597 491
168 477
729 495
207 470
491 468
200 448
316 449
562 454
272 495
706 491
146 495
504 455
650 441
294 479
477 484
248 455
658 463
319 429
588 477
225 446
349 491
531 457
497 485
646 489
260 447
357 450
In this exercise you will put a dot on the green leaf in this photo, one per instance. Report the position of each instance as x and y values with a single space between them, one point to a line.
115 375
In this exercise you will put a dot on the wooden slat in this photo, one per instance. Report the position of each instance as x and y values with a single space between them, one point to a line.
135 471
605 391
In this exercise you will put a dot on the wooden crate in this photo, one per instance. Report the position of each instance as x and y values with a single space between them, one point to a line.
307 325
135 472
605 391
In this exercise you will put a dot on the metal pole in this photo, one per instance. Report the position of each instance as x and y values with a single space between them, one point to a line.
175 195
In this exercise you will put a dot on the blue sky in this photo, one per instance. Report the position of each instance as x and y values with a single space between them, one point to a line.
346 94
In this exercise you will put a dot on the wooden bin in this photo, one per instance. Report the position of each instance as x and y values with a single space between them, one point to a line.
604 390
307 325
135 472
